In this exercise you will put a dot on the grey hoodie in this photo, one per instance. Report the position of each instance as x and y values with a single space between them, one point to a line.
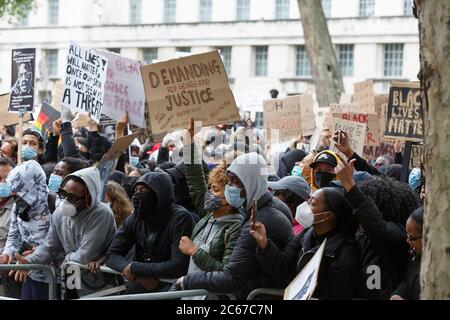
83 238
252 170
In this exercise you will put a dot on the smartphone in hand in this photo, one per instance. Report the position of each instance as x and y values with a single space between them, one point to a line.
253 213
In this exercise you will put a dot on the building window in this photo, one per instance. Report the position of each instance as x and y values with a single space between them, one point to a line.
408 7
135 11
170 10
326 5
282 9
345 57
23 21
243 10
366 8
51 57
225 52
150 55
183 49
114 50
53 12
261 55
205 10
303 64
393 59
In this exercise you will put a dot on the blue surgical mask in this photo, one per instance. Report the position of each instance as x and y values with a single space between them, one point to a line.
134 161
233 196
54 183
29 154
297 171
5 190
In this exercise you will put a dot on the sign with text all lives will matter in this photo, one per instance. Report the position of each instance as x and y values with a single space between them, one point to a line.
192 87
84 82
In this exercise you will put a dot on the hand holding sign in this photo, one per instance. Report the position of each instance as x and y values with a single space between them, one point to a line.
342 143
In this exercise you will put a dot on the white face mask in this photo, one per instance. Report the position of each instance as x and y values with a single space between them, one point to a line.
67 209
304 215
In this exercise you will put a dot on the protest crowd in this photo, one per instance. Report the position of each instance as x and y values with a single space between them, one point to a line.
217 207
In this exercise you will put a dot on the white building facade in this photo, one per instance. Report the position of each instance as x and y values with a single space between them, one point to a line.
261 41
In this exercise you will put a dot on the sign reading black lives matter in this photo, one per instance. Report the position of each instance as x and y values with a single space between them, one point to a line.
22 80
84 83
405 113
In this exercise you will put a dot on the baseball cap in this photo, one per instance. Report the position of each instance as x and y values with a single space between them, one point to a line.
295 184
325 157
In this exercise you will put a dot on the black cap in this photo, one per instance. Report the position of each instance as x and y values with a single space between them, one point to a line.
324 157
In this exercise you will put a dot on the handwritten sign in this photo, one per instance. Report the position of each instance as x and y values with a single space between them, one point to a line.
370 119
364 96
192 87
84 83
9 119
417 156
356 133
290 116
405 113
385 148
124 89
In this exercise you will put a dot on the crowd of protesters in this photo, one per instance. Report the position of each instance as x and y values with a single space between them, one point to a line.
182 210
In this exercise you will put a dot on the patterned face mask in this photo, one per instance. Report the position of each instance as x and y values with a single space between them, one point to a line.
212 202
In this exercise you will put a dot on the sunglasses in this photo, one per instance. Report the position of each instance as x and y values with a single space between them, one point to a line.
70 197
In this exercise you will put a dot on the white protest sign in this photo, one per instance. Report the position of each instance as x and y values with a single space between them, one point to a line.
356 132
253 101
303 286
84 81
124 89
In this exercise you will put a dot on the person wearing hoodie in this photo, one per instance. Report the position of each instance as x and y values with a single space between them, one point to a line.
155 228
409 289
81 229
323 169
247 177
30 222
288 161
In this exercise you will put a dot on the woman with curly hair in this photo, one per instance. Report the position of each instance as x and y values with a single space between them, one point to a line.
119 202
381 206
215 235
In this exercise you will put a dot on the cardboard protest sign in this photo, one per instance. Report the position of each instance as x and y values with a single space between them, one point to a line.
364 96
371 120
356 133
9 119
22 80
343 107
84 81
119 147
346 98
81 120
192 87
124 89
405 113
108 127
303 286
417 156
380 103
290 116
44 122
57 95
385 148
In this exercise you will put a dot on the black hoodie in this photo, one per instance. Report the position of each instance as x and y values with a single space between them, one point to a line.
157 251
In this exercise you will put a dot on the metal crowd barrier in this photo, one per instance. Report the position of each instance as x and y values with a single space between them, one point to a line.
49 270
267 291
171 295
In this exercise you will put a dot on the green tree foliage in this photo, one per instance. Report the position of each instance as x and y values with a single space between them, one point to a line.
15 8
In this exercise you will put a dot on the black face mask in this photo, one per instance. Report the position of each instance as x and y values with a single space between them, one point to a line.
144 204
323 179
22 209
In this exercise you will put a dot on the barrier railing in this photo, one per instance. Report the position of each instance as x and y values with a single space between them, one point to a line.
171 295
49 270
266 291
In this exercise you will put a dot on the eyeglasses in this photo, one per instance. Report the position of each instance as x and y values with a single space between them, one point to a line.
63 195
411 238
